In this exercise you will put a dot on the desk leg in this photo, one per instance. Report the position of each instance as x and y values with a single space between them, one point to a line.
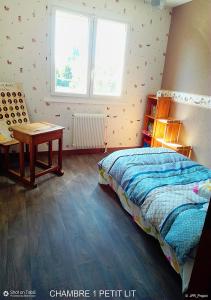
27 152
60 172
21 159
50 156
32 164
35 153
6 157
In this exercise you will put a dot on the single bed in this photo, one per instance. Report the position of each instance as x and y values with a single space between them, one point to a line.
156 186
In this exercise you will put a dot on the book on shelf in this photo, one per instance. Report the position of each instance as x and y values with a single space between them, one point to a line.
150 127
153 110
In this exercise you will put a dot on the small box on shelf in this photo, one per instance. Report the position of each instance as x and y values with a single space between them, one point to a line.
167 129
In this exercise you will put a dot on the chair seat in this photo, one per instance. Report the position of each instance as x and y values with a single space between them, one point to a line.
9 143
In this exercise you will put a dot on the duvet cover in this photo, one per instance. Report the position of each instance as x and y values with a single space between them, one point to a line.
159 183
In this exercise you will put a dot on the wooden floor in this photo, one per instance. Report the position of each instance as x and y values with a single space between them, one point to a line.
70 233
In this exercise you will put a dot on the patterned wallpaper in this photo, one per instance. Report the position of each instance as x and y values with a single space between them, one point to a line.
25 33
187 98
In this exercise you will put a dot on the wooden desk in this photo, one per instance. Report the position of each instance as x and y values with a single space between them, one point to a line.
32 135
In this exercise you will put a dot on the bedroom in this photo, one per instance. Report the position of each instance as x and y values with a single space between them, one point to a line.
70 233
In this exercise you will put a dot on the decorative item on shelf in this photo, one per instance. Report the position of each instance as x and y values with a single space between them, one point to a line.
147 142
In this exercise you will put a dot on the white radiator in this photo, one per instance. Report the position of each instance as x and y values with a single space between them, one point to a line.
89 131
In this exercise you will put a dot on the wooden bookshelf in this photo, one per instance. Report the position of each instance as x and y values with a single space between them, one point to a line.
155 108
159 129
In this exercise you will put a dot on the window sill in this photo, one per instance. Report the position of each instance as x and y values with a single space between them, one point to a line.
97 101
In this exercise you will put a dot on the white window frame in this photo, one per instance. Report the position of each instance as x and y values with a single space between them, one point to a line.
91 56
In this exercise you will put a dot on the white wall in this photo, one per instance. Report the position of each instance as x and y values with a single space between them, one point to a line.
25 32
196 130
194 112
188 60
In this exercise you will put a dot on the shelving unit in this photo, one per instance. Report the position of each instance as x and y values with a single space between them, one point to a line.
156 108
159 130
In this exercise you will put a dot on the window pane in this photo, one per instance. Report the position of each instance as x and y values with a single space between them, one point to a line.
109 58
71 53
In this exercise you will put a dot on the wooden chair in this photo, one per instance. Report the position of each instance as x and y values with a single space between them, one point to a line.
15 128
13 112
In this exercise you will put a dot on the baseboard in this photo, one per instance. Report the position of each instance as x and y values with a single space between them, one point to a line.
96 151
84 151
121 148
15 156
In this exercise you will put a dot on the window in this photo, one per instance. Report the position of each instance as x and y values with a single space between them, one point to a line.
88 55
109 58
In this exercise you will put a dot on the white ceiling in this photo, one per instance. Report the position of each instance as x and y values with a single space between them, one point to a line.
174 3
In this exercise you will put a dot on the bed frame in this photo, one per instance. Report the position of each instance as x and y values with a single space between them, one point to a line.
200 282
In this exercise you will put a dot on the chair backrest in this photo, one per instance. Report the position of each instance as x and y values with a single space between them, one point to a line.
13 110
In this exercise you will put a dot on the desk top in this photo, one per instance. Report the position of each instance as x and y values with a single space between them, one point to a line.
36 128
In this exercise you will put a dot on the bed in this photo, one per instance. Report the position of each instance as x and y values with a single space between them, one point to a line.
158 188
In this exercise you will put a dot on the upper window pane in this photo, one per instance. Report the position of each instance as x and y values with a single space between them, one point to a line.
71 52
109 58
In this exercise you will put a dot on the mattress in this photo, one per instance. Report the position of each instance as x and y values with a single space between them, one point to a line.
146 181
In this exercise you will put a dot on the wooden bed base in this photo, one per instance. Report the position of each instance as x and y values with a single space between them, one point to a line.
200 281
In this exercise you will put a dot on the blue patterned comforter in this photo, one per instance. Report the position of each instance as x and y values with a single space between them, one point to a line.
160 181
